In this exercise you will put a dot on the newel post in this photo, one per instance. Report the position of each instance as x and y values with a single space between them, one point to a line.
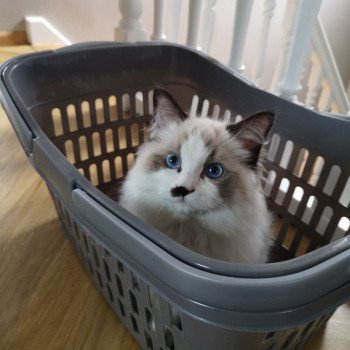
130 27
242 17
306 15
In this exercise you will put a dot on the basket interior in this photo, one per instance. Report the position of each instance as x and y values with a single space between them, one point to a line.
94 104
100 134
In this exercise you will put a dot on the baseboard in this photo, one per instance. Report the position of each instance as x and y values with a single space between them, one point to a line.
41 32
13 38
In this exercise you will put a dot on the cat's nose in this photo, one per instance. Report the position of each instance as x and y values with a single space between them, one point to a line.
180 191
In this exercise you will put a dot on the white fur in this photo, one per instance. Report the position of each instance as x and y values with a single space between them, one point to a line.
202 221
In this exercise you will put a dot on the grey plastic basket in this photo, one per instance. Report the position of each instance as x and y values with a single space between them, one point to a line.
73 101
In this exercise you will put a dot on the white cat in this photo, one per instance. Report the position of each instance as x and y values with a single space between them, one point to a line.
197 180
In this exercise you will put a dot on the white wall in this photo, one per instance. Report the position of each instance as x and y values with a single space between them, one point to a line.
86 20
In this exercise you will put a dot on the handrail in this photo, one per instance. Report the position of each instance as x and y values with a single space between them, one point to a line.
329 67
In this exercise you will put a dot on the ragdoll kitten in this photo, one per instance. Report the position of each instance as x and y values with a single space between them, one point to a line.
197 180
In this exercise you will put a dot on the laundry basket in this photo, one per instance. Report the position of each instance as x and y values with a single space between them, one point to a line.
80 113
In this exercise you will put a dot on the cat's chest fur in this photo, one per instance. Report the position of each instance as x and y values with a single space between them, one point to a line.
229 234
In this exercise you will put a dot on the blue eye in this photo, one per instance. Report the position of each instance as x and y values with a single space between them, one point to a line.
214 170
172 161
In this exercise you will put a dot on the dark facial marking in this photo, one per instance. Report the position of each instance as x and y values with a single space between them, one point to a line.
227 185
156 162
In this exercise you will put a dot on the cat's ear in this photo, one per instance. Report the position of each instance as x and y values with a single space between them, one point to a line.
252 133
166 111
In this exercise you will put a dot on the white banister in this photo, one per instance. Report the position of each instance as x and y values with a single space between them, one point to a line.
130 26
242 16
193 23
286 40
305 18
209 21
159 20
269 7
329 67
314 81
176 11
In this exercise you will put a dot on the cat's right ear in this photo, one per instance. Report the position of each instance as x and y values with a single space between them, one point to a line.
166 111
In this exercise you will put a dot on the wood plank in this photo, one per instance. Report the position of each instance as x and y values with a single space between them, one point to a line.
13 38
7 52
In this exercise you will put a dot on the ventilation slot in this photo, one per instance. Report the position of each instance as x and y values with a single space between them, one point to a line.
169 339
150 102
126 106
139 103
134 324
106 171
227 116
310 209
85 243
85 111
135 135
150 320
100 118
194 105
301 162
271 177
175 317
332 180
284 186
83 148
133 301
112 102
303 245
90 267
269 335
57 121
119 286
109 140
110 294
72 118
134 281
96 142
216 112
275 141
149 342
289 340
122 137
345 196
118 166
99 279
95 256
298 195
106 268
316 171
205 109
121 308
93 174
69 151
324 220
130 159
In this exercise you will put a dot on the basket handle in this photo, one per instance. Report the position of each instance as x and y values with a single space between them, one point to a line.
91 45
23 132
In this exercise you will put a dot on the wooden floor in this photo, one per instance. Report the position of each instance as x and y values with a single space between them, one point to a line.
47 301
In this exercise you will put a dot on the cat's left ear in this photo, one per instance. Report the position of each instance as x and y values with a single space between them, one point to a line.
252 132
166 111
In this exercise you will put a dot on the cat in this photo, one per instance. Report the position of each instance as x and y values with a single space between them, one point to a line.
198 180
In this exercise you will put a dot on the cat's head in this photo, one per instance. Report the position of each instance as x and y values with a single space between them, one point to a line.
196 165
